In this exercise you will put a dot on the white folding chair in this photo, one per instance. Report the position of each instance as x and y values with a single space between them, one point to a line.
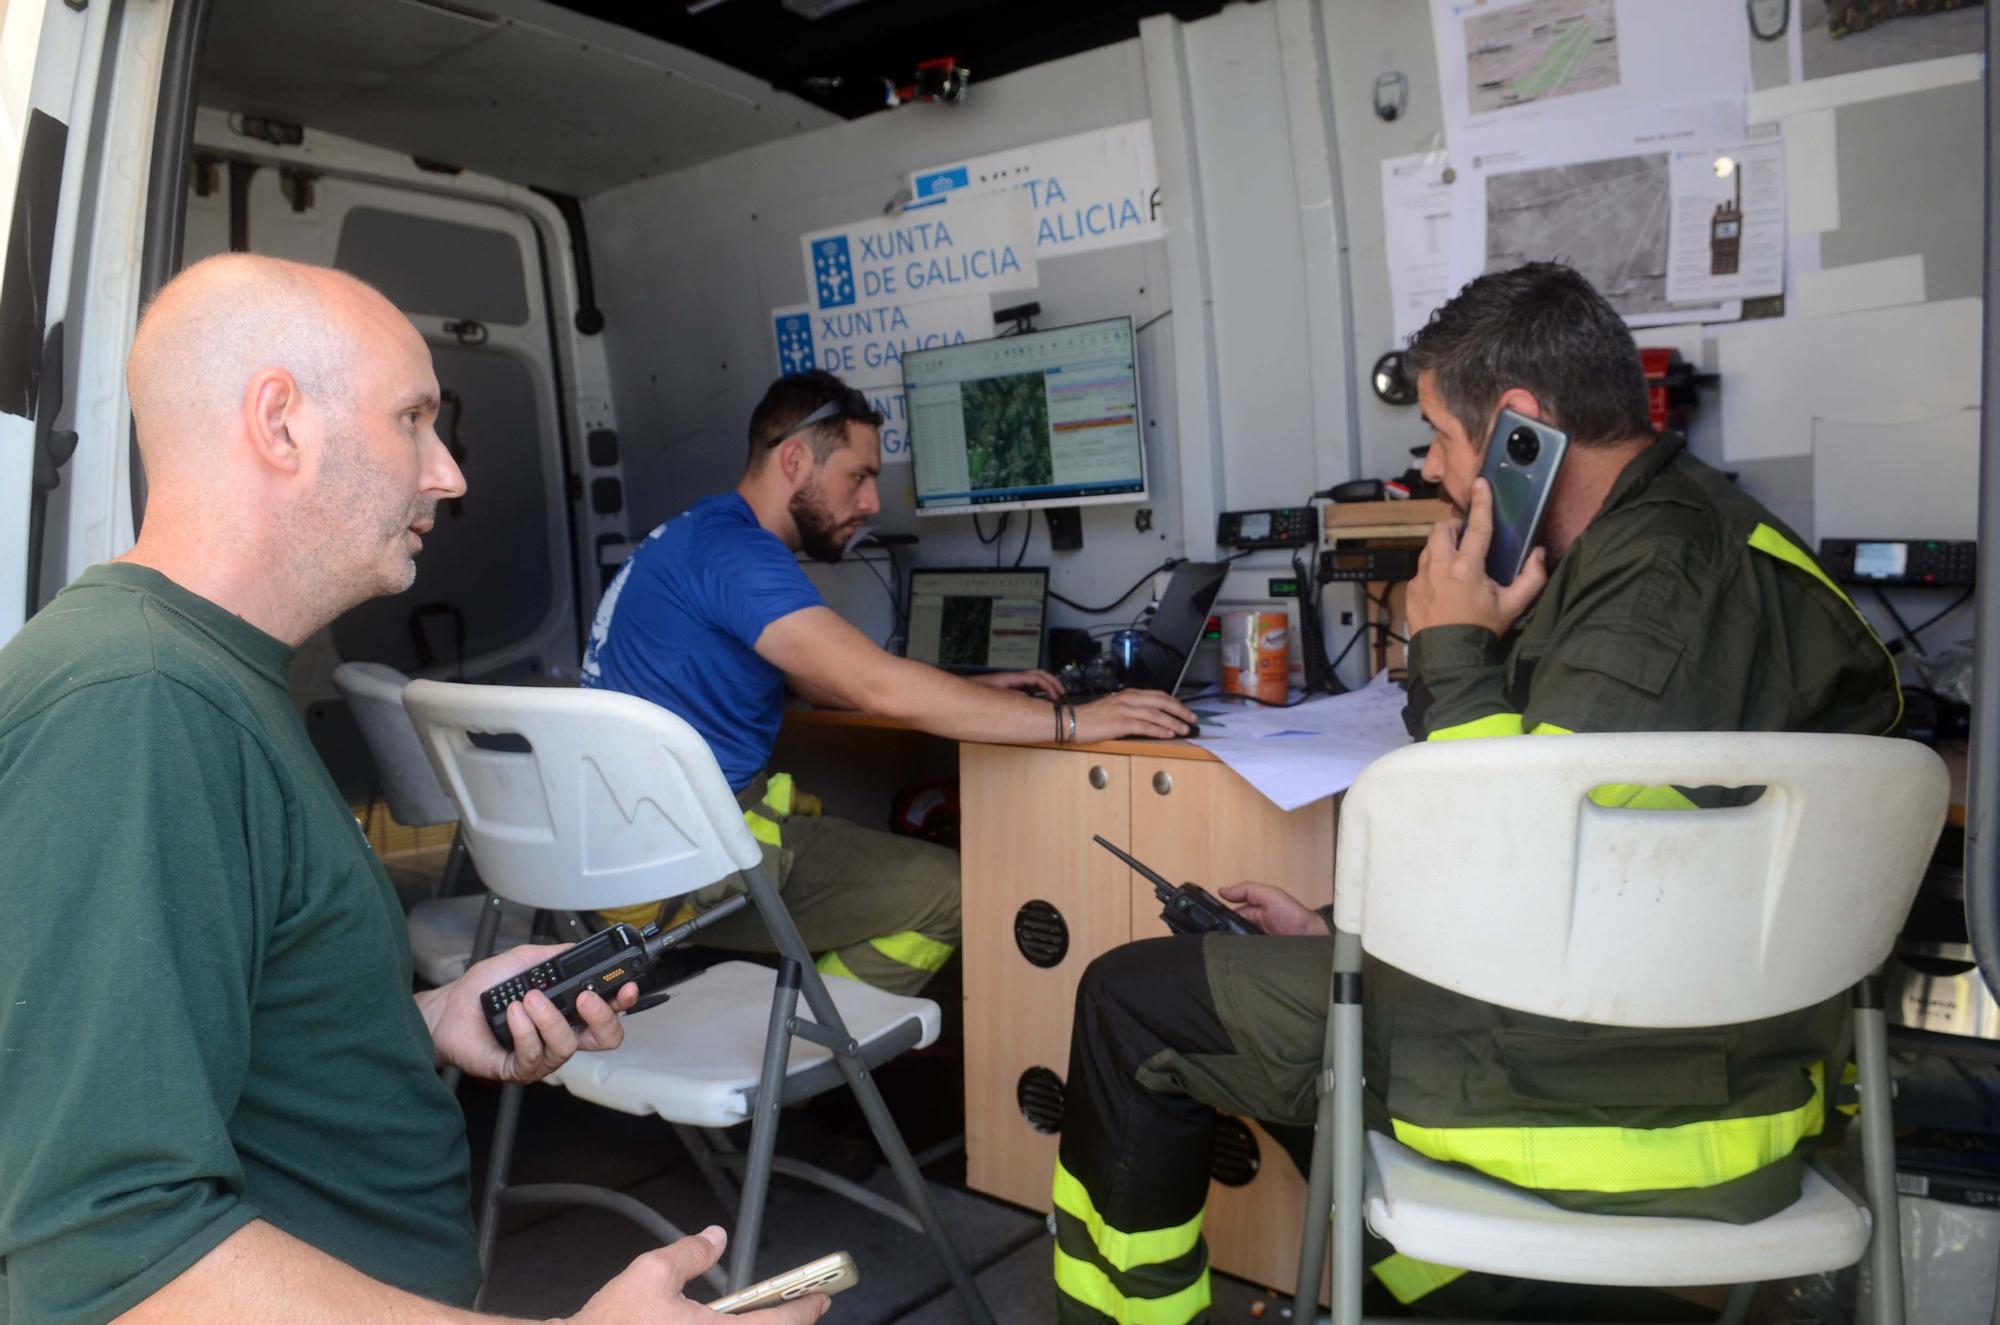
447 932
1484 867
586 799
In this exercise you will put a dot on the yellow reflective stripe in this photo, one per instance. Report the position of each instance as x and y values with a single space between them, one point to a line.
1083 1282
1494 724
1772 543
1408 1278
829 963
1637 796
640 916
917 951
1625 1159
1120 1250
1625 795
763 829
778 792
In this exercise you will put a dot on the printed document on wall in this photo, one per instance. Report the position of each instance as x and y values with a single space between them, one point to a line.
1727 237
1416 229
1596 194
1089 190
977 244
1509 64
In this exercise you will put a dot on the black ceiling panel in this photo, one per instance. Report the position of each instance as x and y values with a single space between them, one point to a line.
841 61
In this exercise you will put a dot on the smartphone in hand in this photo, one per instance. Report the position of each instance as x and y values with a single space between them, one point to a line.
828 1274
1523 458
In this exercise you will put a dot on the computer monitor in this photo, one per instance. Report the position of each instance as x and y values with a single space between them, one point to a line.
978 620
1043 418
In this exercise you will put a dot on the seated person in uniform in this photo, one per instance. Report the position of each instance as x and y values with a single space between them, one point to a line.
1661 598
712 615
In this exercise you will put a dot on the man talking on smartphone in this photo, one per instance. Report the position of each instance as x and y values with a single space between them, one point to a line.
1659 597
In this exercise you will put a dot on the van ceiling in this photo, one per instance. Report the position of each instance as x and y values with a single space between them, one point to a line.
584 95
840 59
567 103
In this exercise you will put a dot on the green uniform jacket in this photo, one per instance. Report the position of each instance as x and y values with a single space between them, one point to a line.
1684 606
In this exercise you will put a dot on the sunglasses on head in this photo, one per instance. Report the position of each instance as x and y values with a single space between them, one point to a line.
849 405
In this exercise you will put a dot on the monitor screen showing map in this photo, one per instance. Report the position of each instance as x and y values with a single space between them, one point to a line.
1043 418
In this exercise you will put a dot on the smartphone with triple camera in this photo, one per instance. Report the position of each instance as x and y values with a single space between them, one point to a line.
1523 458
828 1274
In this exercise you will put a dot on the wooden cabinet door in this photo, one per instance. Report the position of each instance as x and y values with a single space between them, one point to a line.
1200 822
1029 815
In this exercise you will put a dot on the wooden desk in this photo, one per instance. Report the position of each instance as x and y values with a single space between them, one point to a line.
1029 812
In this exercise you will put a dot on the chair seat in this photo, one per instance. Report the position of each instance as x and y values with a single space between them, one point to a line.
696 1058
1453 1216
442 929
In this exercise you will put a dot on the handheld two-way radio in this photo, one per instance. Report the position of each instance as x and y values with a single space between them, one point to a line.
605 962
1188 909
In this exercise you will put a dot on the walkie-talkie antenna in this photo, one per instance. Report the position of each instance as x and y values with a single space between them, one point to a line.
656 944
1161 888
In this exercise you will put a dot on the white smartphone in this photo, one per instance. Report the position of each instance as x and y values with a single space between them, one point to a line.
828 1274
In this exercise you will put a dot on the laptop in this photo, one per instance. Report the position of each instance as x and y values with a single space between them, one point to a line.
978 620
1177 626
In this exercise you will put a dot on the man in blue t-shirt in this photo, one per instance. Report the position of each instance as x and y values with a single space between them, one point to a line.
712 616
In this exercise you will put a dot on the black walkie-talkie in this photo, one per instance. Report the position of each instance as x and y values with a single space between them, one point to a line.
1190 908
604 962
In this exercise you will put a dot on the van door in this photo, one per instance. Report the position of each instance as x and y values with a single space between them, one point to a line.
494 596
51 59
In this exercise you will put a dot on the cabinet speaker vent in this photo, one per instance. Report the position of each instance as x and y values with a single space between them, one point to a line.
1041 933
1233 1157
1040 1095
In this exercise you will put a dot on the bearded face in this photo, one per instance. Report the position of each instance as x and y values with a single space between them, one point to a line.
823 534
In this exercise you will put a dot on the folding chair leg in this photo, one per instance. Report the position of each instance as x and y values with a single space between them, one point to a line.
890 1139
702 1151
1319 1194
791 947
764 1126
454 866
1878 1155
1344 1033
498 1163
1737 1309
483 939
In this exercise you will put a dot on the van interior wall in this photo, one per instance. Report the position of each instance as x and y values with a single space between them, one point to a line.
692 263
1909 183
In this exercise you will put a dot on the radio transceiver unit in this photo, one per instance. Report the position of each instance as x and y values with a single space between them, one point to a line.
604 962
1188 909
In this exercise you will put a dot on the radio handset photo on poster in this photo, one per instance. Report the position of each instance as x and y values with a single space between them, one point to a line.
1523 458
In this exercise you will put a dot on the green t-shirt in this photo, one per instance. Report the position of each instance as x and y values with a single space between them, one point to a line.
205 1011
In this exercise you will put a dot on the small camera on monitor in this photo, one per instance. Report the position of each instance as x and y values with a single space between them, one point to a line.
1523 446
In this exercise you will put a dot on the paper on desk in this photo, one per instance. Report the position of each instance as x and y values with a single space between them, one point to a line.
1296 756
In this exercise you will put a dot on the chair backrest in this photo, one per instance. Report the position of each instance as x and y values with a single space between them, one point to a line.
1484 867
580 799
375 695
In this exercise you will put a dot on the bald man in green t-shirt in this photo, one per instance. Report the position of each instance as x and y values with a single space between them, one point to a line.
218 1097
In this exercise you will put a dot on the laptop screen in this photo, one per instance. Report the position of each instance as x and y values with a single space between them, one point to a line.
978 620
1177 626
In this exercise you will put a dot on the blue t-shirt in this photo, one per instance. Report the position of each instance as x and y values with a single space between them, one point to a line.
679 626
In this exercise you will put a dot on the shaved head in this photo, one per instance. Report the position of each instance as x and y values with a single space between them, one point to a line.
213 327
285 416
